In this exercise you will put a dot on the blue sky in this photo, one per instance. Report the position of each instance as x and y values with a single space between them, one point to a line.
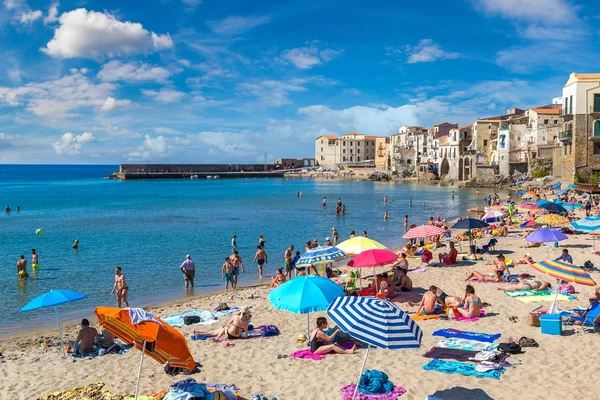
227 81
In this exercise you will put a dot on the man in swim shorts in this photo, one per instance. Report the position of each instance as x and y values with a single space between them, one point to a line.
289 261
188 268
237 262
22 268
429 303
227 274
260 258
34 260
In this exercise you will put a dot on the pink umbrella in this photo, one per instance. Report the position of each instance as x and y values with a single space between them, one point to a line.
424 231
373 258
529 206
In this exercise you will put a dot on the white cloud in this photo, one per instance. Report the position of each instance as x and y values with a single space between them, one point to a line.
52 16
6 136
236 25
30 17
58 97
309 56
71 144
11 5
152 148
428 51
557 12
132 72
164 95
272 93
191 4
96 35
117 131
230 144
110 104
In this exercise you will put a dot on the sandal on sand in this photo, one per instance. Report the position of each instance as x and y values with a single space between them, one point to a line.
280 356
514 319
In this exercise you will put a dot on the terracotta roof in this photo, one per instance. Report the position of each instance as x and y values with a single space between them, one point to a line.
330 137
465 127
547 111
370 137
574 77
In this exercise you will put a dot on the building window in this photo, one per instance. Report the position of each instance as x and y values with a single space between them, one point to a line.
596 148
555 122
322 158
350 151
597 128
596 102
344 151
358 151
571 104
566 105
344 143
321 149
321 141
357 158
344 158
485 143
350 158
546 122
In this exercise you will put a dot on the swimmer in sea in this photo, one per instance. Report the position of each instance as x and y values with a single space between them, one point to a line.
410 202
34 260
324 201
385 215
76 245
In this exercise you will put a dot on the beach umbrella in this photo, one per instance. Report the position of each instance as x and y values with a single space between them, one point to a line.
540 202
359 244
563 271
52 299
589 225
571 186
561 192
528 224
424 231
557 186
149 334
305 294
573 205
469 224
378 323
552 219
529 206
373 258
546 236
321 255
553 207
493 216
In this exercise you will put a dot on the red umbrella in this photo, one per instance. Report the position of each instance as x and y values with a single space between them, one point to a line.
424 231
373 258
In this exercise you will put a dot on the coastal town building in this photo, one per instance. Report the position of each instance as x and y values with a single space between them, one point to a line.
348 150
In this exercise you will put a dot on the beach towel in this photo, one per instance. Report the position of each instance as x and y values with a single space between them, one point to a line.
306 353
348 391
259 331
177 320
423 317
456 333
451 354
418 270
550 298
373 381
519 293
465 344
454 367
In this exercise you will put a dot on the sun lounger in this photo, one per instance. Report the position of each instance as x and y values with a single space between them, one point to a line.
591 321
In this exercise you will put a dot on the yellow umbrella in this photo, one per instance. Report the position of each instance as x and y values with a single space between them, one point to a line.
359 244
552 219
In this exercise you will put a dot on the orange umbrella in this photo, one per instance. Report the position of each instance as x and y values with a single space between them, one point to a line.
150 334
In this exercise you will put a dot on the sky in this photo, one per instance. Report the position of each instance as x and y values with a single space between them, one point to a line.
212 81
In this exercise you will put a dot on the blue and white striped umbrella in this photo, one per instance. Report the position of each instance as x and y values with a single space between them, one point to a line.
587 224
321 255
379 323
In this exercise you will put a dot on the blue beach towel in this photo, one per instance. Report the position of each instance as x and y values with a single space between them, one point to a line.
456 333
464 344
454 367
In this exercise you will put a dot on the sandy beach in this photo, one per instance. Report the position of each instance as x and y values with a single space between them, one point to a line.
539 373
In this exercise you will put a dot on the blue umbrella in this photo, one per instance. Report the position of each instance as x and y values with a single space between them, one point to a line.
546 235
561 192
571 186
540 202
553 207
558 185
305 294
52 299
379 323
470 223
321 255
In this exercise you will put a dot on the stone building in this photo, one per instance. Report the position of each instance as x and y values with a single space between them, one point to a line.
349 150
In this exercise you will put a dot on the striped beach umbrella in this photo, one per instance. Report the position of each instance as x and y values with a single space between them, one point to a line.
588 225
424 231
359 244
321 255
563 271
492 216
529 206
379 323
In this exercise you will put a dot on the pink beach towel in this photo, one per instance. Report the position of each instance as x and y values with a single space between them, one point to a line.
348 391
306 353
470 319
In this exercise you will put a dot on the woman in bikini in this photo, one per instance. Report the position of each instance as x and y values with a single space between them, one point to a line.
449 301
471 306
236 328
527 285
527 259
277 279
320 342
495 276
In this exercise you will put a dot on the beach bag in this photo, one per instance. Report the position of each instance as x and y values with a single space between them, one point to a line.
588 265
566 288
527 342
510 348
533 319
191 319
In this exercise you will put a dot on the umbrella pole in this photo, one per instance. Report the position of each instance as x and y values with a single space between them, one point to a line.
361 371
375 281
553 306
137 383
62 345
308 326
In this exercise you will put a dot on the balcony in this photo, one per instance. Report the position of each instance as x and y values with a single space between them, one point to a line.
565 136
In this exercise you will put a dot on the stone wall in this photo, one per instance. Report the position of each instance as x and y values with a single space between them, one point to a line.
485 174
196 167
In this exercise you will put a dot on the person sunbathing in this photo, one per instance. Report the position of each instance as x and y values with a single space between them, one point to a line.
503 230
527 259
500 264
495 276
471 306
430 303
236 327
277 279
449 257
527 285
461 237
401 262
320 342
444 299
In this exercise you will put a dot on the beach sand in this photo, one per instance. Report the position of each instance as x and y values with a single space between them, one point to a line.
562 366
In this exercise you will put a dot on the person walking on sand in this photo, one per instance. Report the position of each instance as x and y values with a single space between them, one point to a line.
260 258
188 269
22 268
289 261
34 260
237 262
120 287
227 274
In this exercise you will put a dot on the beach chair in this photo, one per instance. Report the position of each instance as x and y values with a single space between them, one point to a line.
590 322
351 285
490 246
426 257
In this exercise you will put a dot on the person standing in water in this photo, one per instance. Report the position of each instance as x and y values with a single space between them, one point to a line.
406 223
260 258
385 215
120 287
233 244
324 201
22 268
261 241
410 202
237 262
335 235
453 195
188 268
34 260
75 245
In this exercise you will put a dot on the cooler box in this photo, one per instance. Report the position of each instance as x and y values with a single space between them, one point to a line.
551 324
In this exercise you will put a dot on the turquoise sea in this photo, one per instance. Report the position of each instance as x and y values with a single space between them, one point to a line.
147 227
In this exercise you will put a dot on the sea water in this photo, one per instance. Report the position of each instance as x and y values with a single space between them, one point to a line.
148 226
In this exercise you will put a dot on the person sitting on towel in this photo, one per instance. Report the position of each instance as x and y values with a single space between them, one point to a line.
471 306
236 327
430 303
495 276
500 264
84 343
527 285
320 342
